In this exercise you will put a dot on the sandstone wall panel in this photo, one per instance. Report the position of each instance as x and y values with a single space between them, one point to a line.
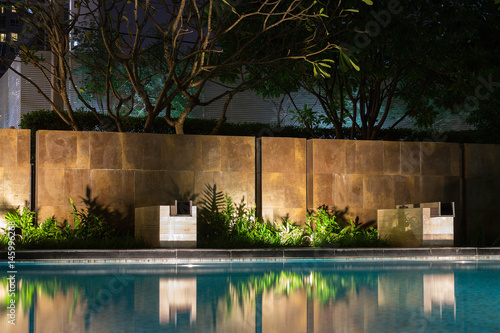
284 178
15 171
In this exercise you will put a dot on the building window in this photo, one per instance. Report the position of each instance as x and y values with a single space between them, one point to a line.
2 37
13 9
14 23
13 36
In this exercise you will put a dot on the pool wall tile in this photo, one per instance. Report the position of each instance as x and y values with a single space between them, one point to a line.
307 256
369 252
203 254
407 252
256 253
488 251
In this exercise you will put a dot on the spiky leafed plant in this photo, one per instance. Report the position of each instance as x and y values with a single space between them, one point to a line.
211 222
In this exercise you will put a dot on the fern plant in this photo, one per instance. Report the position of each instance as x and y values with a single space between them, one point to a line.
211 222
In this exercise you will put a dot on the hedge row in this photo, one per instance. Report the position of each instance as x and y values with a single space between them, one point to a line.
49 120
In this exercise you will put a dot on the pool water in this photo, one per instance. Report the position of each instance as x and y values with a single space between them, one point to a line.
276 296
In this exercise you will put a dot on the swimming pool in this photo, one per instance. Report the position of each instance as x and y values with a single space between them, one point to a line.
263 296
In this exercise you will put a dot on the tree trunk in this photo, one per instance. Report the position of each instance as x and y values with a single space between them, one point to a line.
148 124
179 126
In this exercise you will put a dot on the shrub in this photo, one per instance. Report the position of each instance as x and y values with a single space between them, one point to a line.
31 233
322 230
90 231
90 226
49 120
225 224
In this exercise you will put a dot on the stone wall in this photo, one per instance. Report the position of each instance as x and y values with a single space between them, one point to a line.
482 177
121 171
283 178
359 177
15 170
117 172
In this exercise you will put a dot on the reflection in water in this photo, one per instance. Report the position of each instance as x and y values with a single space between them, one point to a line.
177 298
342 298
439 289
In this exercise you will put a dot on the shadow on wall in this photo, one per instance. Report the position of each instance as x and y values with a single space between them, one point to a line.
478 237
341 217
7 208
121 222
174 192
402 235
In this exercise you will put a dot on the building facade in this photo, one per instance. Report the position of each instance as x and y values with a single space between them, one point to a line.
10 29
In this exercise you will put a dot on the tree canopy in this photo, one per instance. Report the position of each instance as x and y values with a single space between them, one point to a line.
156 57
424 53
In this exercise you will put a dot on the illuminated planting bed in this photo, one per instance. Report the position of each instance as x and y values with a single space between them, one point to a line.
307 295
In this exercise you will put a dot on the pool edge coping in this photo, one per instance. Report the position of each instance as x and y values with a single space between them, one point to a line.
223 255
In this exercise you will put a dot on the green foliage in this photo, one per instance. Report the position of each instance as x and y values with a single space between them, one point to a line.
212 224
95 67
90 226
418 55
323 230
90 231
32 233
486 119
48 120
225 224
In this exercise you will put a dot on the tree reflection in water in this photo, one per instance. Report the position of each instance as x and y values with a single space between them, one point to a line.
151 299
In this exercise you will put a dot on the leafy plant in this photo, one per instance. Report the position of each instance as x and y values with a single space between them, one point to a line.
90 226
226 224
212 222
90 231
33 233
322 229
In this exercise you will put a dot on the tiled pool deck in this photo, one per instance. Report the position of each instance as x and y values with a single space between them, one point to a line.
220 255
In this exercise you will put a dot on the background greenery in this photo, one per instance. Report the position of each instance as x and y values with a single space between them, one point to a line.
49 120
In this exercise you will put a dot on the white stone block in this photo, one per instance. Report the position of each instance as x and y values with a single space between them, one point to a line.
161 229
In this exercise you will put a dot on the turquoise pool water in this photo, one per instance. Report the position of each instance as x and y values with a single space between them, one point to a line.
276 296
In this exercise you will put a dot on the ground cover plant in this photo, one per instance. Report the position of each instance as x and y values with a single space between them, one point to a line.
89 231
226 224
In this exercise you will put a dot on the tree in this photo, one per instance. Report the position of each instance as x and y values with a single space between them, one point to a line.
150 54
181 45
47 26
419 53
479 95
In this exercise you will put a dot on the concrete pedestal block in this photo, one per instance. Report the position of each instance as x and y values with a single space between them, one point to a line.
415 227
161 228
